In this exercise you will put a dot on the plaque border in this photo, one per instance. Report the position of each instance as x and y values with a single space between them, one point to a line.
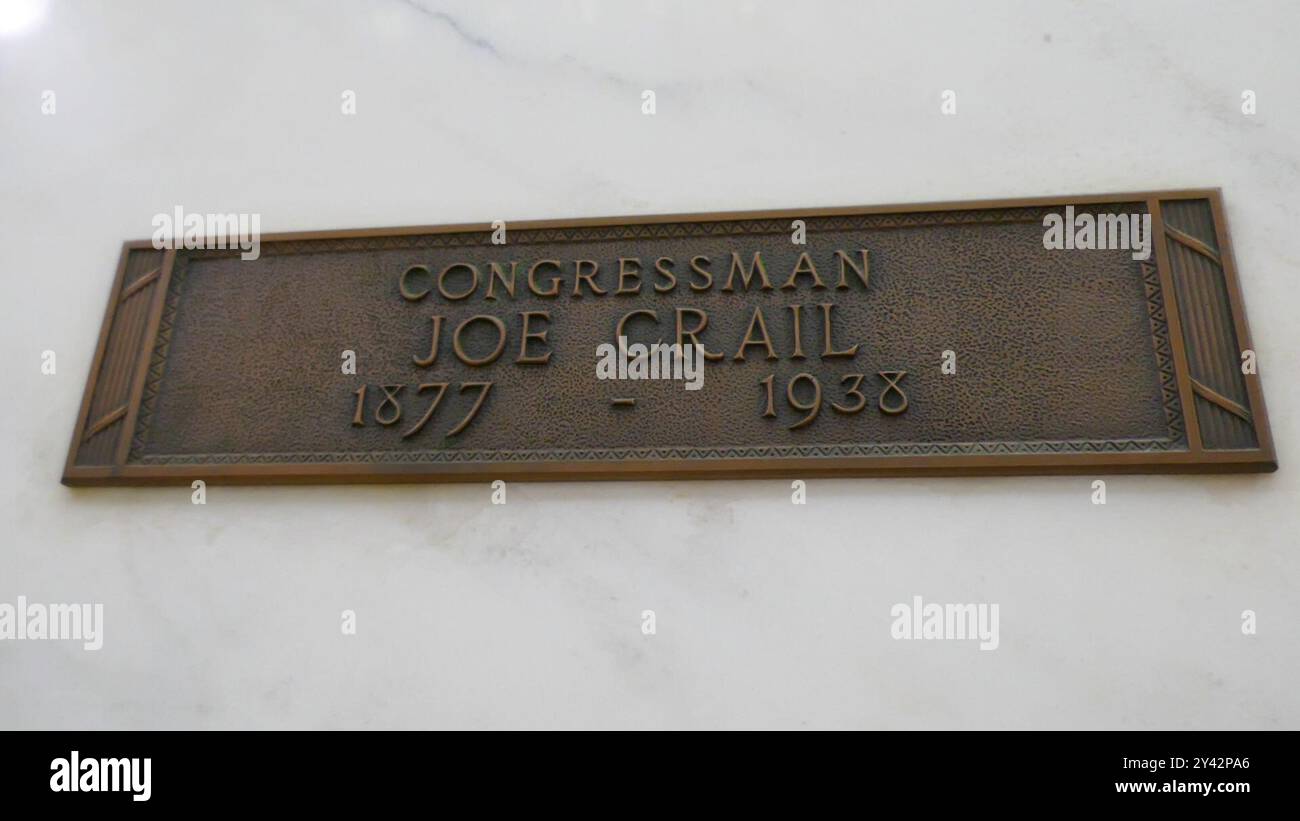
145 364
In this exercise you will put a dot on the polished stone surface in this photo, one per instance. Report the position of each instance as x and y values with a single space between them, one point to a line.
529 614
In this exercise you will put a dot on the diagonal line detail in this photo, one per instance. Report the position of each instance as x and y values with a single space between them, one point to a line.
1193 243
140 283
103 422
1210 395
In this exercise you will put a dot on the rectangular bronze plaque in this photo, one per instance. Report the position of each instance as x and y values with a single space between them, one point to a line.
1062 335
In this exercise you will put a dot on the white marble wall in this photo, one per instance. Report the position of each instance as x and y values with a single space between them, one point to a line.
528 615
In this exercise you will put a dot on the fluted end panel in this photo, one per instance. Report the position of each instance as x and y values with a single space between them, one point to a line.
1213 351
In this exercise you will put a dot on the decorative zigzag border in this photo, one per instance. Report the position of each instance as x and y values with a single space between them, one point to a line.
662 230
1164 354
1150 275
618 454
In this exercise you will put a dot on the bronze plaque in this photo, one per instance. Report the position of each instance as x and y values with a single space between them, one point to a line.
1062 335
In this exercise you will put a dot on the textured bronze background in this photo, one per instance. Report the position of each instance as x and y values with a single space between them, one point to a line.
214 368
